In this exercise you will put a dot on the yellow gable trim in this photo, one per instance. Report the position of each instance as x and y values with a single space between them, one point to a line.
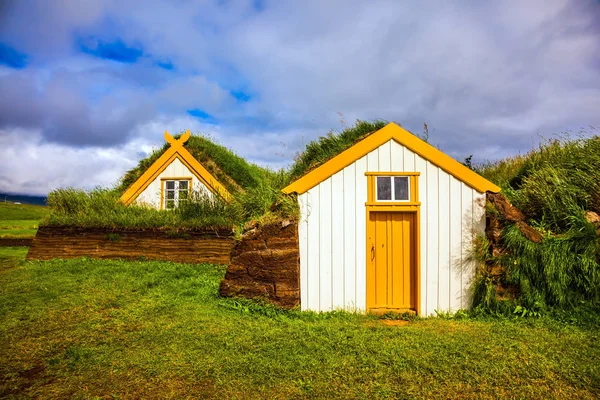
175 151
406 139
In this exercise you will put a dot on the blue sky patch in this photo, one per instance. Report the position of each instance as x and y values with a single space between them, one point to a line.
12 57
168 65
116 50
258 5
202 115
240 96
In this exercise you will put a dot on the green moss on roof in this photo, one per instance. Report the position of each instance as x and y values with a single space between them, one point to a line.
231 170
326 147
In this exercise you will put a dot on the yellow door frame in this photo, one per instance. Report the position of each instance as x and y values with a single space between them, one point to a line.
412 205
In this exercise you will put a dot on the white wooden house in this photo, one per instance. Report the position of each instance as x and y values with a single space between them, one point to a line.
173 178
388 225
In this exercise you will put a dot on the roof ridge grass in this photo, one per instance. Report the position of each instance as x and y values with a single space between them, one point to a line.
319 151
231 170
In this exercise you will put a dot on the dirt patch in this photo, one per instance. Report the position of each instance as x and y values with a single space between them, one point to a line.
394 322
27 378
507 210
9 242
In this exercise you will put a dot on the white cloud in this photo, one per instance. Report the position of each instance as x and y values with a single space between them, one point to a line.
488 78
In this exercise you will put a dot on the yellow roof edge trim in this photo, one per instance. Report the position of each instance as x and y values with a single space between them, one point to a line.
406 139
175 151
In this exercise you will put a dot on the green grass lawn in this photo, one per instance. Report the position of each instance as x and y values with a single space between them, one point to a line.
112 329
20 220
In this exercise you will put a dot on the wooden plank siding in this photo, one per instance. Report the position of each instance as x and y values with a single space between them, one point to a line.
151 195
332 234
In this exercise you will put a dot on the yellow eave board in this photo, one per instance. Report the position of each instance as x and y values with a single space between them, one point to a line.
175 151
406 139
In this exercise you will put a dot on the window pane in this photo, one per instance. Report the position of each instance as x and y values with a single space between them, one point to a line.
384 188
183 194
170 204
170 194
170 184
401 188
183 185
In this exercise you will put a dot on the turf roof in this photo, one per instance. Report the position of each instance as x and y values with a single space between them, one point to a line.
326 147
231 170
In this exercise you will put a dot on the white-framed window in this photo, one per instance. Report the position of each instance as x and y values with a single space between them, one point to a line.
175 192
392 188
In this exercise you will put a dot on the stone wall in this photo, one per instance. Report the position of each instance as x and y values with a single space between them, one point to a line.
266 264
199 246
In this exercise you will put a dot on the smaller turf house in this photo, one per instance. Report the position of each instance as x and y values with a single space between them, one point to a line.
388 225
174 177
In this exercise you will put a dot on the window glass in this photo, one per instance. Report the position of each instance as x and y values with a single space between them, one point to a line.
401 188
384 188
175 192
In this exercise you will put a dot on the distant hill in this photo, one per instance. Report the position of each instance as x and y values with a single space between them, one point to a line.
23 198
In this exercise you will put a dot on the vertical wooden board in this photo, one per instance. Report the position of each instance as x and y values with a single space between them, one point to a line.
421 166
370 270
373 161
456 256
325 222
477 228
390 257
338 225
303 247
350 236
409 160
313 248
397 159
432 238
361 232
396 242
444 241
384 154
409 258
381 259
151 195
466 240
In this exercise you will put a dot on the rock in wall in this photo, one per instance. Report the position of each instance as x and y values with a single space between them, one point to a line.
265 263
199 246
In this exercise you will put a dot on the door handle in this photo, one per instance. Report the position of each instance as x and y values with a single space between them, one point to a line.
372 252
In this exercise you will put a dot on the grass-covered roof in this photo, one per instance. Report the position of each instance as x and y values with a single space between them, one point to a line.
326 147
231 170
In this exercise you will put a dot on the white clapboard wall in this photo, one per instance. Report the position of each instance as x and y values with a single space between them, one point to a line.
151 195
332 234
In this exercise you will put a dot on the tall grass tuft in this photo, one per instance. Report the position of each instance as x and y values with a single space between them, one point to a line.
560 271
101 208
554 185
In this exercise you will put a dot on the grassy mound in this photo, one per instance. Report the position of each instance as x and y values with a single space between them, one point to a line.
554 185
235 173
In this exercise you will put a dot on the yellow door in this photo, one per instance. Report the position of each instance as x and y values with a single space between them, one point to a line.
391 268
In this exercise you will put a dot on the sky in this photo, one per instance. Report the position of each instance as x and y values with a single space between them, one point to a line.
88 88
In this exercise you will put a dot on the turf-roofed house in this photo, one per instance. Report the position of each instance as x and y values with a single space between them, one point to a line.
175 176
388 225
